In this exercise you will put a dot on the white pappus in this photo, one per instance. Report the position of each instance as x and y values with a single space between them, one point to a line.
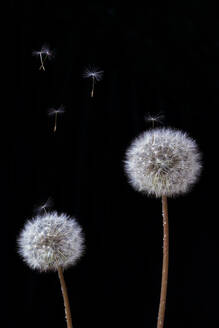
163 162
55 112
50 241
158 118
95 74
44 53
44 207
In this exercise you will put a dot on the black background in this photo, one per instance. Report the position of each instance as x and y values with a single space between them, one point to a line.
156 58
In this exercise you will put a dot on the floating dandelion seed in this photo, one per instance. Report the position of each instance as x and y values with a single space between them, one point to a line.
163 162
52 242
55 112
158 118
43 208
95 74
44 54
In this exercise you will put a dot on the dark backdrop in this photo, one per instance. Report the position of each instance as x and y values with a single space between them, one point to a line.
156 58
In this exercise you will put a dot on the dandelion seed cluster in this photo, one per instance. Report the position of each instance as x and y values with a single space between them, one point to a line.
51 240
162 162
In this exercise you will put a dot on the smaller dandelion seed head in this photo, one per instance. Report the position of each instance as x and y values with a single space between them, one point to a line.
51 240
59 110
93 72
163 162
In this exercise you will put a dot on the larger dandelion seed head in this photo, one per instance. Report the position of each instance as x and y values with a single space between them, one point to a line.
51 240
163 162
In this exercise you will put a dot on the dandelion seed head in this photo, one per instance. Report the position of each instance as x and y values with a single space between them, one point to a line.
51 240
93 72
163 161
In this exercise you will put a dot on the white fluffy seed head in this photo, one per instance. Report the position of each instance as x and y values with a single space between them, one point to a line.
163 162
51 240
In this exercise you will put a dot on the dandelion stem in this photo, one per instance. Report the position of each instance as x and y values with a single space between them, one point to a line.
41 60
92 91
65 298
45 58
55 125
163 294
